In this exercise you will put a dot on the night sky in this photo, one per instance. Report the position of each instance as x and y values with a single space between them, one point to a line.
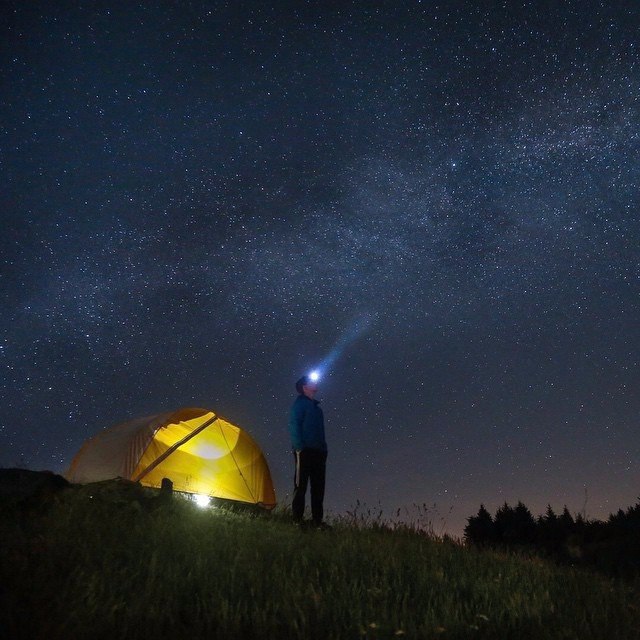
201 201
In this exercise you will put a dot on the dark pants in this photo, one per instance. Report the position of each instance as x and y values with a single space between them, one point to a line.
310 468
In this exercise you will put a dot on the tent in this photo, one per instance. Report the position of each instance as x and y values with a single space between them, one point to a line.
200 452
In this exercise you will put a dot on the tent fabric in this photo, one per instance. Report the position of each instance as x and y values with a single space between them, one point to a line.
197 450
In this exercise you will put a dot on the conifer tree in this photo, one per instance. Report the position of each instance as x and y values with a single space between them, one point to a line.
524 524
480 529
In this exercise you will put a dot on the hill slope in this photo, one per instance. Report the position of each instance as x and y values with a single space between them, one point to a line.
115 561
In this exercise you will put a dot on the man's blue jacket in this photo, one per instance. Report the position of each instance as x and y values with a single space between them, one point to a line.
306 425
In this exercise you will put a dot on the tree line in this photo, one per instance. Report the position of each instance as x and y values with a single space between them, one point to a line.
612 546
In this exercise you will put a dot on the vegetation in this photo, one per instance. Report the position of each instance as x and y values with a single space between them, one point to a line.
612 547
115 561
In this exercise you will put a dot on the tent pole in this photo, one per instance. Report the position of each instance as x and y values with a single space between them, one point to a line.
173 447
246 484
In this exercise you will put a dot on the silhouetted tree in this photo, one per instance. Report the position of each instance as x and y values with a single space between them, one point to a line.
625 522
504 526
515 526
525 524
480 529
612 547
566 520
550 536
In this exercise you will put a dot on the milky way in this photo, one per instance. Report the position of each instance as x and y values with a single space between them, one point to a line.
201 200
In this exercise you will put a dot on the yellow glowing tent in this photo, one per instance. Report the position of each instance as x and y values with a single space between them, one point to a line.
197 450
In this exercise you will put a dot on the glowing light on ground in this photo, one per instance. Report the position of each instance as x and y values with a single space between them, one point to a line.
201 500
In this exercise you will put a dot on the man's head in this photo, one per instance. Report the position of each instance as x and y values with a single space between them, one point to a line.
306 386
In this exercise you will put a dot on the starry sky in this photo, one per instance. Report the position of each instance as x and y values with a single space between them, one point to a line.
201 201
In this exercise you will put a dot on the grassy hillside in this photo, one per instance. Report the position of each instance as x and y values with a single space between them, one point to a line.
112 561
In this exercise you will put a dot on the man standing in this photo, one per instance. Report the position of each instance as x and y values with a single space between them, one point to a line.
306 426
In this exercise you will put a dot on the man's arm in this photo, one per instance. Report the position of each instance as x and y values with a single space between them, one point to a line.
296 416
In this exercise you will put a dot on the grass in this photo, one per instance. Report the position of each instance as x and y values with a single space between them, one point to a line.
113 562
